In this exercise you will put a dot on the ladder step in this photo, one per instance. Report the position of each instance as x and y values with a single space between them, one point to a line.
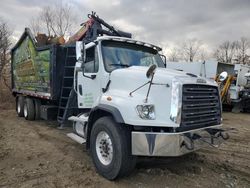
61 109
65 108
67 87
64 97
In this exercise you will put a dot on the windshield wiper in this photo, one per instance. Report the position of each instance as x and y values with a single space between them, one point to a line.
122 65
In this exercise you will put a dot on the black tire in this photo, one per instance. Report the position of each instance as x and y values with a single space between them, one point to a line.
29 109
37 109
19 105
122 162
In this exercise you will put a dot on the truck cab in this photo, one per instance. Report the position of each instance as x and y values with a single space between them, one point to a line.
132 105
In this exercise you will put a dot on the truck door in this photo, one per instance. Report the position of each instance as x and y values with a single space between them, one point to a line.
89 89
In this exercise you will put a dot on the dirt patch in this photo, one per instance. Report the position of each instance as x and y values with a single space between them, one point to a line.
37 154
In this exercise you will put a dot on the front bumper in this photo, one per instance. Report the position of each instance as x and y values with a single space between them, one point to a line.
176 144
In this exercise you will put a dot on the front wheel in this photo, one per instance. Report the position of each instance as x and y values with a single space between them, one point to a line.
110 145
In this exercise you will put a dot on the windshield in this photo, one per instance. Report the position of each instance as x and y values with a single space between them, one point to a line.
121 55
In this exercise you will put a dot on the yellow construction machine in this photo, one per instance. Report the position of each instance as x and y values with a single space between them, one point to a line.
224 81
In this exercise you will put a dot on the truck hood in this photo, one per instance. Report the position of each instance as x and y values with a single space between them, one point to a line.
128 89
136 75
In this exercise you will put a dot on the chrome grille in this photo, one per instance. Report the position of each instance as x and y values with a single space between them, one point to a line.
200 106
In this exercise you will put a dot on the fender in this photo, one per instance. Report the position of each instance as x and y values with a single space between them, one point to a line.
107 108
99 111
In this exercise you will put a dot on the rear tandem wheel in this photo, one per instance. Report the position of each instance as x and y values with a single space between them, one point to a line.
29 109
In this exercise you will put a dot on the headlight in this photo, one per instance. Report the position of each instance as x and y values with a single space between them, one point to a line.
146 111
175 114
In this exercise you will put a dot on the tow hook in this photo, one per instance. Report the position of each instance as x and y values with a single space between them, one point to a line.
214 133
190 145
224 135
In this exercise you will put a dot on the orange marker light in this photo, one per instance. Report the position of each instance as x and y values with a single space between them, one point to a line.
109 98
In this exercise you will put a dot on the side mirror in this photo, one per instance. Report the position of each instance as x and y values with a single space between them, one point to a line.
223 76
151 71
80 49
163 57
83 53
83 59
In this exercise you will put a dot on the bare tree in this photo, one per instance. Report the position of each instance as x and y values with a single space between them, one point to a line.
242 46
4 43
190 49
55 19
48 18
64 19
203 54
174 55
226 52
35 25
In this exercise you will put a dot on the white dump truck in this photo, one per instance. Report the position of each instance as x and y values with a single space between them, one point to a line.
128 104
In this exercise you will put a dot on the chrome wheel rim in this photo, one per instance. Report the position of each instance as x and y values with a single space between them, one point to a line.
25 111
104 148
18 107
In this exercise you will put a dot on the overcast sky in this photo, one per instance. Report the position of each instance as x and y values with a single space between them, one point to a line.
162 22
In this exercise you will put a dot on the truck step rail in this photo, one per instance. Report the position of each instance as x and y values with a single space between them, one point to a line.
76 138
78 119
